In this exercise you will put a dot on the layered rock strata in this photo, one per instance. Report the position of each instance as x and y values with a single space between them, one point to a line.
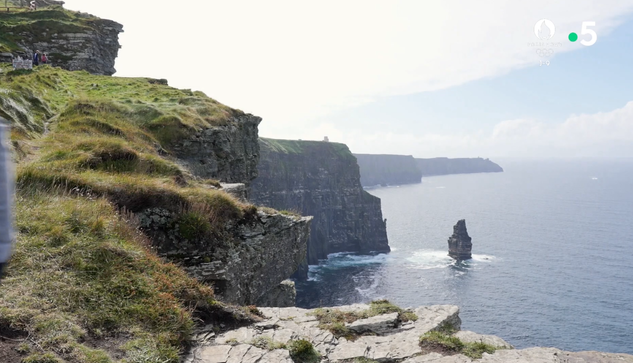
228 153
249 260
460 244
321 179
72 41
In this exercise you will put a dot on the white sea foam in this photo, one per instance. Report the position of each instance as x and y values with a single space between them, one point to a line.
432 259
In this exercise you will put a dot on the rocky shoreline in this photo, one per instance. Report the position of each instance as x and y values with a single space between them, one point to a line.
381 338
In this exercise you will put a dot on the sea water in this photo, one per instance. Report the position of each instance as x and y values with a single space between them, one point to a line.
552 253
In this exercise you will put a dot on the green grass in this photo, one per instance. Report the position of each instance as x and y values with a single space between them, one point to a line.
448 344
42 24
81 272
303 146
334 320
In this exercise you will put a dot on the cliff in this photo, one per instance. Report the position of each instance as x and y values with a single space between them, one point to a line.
387 170
252 257
72 40
321 179
121 230
377 332
445 166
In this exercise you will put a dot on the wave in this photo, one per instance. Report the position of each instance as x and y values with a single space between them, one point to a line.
434 259
341 260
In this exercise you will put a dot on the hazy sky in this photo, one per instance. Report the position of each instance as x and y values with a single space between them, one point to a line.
427 78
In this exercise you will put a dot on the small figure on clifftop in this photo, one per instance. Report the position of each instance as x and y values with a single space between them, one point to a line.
44 58
36 58
32 6
459 244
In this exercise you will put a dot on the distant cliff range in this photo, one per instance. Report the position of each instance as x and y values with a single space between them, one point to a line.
388 170
445 166
383 170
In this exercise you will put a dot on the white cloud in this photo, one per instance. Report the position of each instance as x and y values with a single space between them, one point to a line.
599 134
291 61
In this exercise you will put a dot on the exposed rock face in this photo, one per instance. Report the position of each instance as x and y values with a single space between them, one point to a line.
284 295
397 342
321 179
459 244
253 257
445 166
388 170
86 43
228 153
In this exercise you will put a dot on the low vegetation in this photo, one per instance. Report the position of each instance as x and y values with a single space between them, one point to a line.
437 341
82 276
302 351
84 284
335 320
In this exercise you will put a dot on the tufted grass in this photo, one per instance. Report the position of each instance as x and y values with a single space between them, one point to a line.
302 351
438 341
334 320
84 284
81 274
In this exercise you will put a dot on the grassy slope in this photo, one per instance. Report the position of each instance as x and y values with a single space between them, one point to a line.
82 284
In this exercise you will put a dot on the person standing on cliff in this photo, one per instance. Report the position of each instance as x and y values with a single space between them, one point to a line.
6 196
44 58
36 58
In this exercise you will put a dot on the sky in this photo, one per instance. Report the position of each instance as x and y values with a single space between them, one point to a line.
424 78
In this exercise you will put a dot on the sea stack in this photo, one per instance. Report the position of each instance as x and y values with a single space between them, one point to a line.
459 245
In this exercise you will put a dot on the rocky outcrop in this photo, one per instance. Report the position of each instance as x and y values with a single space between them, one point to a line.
459 244
72 41
387 170
445 166
321 179
228 153
396 342
284 295
251 258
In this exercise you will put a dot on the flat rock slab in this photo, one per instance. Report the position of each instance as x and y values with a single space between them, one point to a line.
213 354
471 337
379 324
595 357
386 342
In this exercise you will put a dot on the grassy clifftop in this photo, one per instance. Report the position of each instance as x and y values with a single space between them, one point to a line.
84 285
300 146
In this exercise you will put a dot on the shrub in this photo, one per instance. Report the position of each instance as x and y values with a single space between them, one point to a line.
444 343
438 340
302 351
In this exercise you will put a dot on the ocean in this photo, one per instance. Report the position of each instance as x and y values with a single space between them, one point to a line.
552 253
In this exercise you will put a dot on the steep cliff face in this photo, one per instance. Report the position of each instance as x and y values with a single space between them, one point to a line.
72 41
387 169
249 260
229 153
445 166
321 179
